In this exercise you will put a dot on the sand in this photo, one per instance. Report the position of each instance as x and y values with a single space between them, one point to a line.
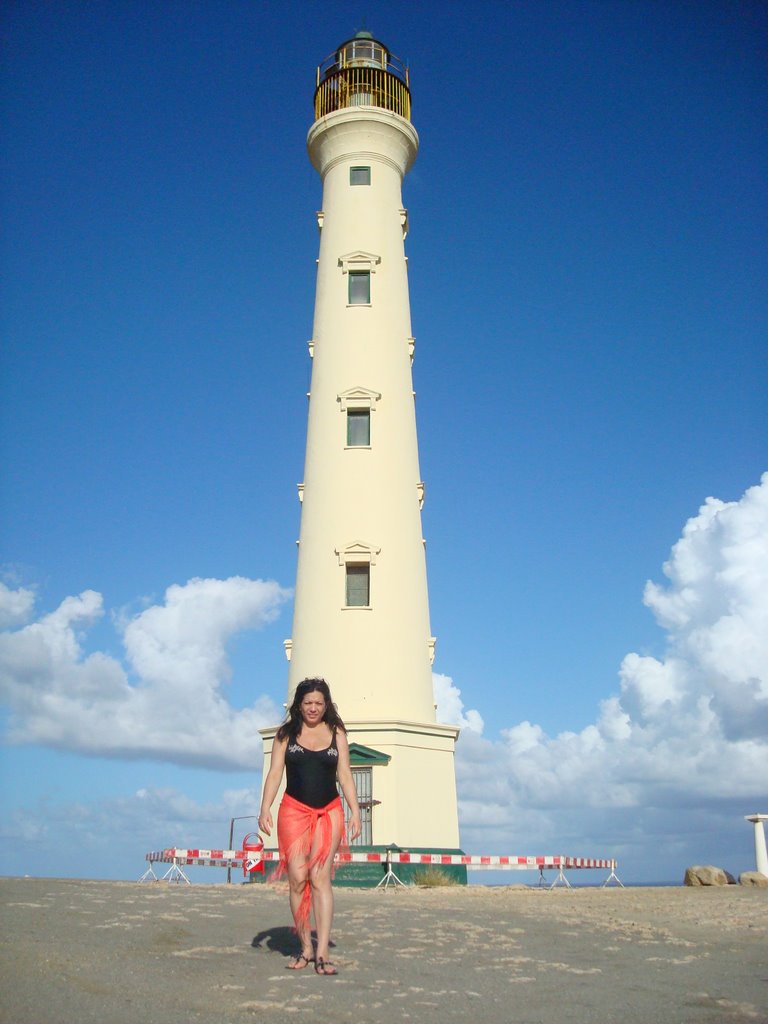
119 952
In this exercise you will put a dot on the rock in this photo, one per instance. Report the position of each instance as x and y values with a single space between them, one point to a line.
705 874
729 878
756 878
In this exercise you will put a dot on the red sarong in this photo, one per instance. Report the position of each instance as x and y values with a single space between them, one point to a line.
297 826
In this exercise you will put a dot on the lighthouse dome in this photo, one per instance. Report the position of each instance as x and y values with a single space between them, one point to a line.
363 51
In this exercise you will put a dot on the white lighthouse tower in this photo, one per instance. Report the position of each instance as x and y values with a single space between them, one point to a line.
361 614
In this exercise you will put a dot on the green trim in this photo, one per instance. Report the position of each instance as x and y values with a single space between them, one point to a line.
360 756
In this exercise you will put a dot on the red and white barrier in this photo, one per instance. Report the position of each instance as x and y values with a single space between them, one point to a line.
176 856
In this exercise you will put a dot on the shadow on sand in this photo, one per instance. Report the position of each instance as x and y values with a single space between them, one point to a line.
281 939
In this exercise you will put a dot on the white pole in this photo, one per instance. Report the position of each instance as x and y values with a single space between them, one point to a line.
761 854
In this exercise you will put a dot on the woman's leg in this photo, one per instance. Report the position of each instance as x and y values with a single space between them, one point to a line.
322 890
297 870
297 884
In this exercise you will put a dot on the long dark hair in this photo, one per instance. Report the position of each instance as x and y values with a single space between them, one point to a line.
291 727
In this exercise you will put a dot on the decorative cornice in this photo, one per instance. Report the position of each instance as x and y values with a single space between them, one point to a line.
357 551
358 398
359 260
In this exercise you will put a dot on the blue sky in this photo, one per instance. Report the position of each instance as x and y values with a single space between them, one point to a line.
587 266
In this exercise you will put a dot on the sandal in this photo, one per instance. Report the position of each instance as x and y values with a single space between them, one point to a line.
321 967
297 965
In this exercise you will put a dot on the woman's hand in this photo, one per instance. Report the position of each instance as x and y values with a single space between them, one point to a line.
265 823
354 829
344 775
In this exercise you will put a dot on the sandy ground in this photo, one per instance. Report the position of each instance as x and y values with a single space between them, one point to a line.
119 952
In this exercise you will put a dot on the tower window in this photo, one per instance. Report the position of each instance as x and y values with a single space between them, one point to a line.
357 559
358 428
359 175
359 287
358 592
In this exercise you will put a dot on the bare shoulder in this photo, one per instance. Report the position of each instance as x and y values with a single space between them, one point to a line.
279 745
342 743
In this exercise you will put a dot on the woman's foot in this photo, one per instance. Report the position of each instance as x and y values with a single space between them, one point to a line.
300 962
324 967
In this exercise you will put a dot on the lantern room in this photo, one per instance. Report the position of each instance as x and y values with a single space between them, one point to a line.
362 73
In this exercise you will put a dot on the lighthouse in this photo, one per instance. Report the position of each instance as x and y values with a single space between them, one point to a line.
361 612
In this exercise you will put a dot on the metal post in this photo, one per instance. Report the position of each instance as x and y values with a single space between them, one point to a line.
761 855
390 878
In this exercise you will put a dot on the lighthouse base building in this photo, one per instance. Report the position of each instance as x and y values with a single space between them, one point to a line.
361 611
405 780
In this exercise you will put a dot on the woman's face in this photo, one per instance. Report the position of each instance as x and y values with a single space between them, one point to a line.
312 707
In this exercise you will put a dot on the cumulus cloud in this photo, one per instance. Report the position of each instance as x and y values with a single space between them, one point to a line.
715 608
450 707
685 735
66 837
15 605
166 702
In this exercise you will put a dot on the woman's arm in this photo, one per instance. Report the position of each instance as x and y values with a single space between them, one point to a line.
347 783
272 784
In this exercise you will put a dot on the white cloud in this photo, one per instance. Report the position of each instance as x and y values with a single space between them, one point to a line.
167 702
685 737
15 605
715 608
450 708
110 838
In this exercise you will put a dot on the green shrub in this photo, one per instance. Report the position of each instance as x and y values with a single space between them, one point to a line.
431 877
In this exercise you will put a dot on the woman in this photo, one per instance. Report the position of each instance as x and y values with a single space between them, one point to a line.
312 747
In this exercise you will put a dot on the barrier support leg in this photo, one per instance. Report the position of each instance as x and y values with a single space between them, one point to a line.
561 880
390 878
149 873
175 873
613 877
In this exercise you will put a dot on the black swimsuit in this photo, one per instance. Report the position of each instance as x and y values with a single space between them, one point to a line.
310 775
